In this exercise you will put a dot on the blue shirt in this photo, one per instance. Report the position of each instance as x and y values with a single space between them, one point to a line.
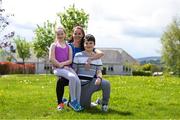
74 49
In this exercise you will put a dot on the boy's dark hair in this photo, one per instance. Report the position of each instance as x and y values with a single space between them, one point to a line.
90 37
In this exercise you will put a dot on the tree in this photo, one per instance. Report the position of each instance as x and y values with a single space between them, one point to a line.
4 23
171 47
44 36
23 48
72 17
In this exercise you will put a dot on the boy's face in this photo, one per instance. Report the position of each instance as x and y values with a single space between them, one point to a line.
89 45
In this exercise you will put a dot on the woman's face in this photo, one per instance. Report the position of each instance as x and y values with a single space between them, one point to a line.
89 45
77 35
60 34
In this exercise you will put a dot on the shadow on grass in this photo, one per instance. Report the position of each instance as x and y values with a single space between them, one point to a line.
95 110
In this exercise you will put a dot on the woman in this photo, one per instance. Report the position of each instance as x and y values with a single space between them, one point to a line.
77 43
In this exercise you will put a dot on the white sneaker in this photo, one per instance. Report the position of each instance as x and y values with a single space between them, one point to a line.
93 104
104 108
98 101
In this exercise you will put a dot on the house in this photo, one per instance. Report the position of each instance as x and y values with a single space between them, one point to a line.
116 61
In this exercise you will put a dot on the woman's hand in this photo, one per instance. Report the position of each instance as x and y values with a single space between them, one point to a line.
98 81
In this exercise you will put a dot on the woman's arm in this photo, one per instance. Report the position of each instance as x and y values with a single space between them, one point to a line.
98 54
52 56
69 61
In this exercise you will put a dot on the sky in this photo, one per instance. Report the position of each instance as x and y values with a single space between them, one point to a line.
136 26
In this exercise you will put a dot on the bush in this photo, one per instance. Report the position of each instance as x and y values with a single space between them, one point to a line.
147 67
15 68
141 73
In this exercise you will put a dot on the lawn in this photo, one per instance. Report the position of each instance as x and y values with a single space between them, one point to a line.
33 97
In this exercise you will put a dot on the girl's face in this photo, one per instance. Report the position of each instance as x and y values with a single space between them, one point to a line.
60 34
89 45
77 35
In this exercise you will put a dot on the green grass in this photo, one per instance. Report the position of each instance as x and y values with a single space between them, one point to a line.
33 97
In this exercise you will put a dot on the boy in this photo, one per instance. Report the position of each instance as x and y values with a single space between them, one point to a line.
91 77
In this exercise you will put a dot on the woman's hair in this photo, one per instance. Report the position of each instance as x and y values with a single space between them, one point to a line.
82 39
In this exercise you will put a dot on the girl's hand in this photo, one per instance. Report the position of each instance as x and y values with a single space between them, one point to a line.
98 81
60 65
66 67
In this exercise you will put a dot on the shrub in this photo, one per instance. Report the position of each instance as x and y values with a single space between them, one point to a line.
15 68
141 73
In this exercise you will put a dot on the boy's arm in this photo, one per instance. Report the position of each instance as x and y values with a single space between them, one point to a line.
99 77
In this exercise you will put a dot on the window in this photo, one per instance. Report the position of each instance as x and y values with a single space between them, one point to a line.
110 68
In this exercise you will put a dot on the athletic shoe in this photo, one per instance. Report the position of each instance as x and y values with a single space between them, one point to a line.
94 104
80 107
98 101
104 108
65 101
74 105
60 106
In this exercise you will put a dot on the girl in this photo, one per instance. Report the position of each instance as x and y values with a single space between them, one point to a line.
60 55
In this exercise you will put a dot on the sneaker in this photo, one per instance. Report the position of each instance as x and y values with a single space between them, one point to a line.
94 104
98 101
65 101
60 106
80 107
74 105
104 108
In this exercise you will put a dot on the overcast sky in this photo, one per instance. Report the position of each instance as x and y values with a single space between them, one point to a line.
133 25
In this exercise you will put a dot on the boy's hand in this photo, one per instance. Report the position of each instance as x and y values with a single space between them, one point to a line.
88 62
98 81
87 66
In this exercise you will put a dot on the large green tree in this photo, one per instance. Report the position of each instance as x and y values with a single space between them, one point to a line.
22 48
44 36
72 17
171 47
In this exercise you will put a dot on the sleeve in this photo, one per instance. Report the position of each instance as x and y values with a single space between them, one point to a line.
98 68
75 63
99 65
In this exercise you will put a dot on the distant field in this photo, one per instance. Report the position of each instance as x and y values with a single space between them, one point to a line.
33 97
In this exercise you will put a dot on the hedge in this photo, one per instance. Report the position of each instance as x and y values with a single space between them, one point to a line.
141 73
16 68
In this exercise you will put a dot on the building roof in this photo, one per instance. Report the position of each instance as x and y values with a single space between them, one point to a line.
117 56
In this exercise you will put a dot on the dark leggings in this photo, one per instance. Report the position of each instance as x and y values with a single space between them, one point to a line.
61 83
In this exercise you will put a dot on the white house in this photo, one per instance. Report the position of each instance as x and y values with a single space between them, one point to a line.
116 61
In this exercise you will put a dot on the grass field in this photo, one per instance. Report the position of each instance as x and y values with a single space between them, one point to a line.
33 97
